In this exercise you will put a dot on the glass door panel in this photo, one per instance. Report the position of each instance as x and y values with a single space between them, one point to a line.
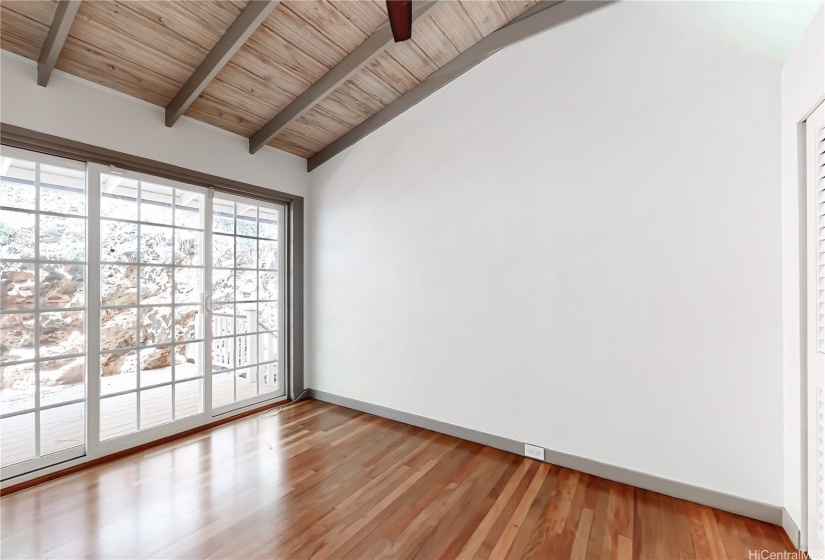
246 290
158 300
151 318
42 311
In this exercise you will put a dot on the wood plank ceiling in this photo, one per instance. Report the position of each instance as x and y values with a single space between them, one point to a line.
149 49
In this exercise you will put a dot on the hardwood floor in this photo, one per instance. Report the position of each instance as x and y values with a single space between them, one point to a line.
321 481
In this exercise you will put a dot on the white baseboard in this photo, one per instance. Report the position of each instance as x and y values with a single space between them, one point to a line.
791 529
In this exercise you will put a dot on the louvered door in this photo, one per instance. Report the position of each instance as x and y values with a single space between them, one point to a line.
815 163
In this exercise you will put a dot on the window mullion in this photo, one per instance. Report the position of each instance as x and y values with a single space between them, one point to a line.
207 309
93 307
36 310
283 355
174 307
138 277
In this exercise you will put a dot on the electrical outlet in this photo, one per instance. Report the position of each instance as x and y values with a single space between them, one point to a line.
534 452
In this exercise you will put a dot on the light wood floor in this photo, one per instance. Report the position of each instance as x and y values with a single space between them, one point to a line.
321 481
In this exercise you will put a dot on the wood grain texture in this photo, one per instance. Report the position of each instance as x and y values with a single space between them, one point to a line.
450 29
149 49
132 451
24 25
236 35
365 53
321 481
539 18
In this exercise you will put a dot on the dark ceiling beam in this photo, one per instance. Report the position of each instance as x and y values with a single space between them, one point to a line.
545 15
365 53
241 29
59 30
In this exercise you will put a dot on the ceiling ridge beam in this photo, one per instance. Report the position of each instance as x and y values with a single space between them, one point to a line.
545 15
241 29
55 39
363 54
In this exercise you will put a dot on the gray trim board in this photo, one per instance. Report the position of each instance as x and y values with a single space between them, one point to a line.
541 17
539 7
340 73
23 138
296 302
58 31
19 137
241 29
719 500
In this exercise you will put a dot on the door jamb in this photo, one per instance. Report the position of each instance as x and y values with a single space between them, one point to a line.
802 186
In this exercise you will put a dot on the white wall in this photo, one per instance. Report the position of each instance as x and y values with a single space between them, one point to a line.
83 111
577 245
803 86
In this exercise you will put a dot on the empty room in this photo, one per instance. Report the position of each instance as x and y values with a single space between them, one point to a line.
428 279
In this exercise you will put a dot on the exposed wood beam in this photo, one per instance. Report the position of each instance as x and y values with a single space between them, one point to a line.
59 30
365 53
540 6
541 17
241 29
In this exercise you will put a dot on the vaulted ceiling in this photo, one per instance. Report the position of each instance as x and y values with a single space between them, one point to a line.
150 49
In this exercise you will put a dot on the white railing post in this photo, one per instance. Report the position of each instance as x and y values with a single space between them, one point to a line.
223 346
252 344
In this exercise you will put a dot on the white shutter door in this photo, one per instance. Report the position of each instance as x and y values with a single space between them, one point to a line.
815 163
819 175
819 179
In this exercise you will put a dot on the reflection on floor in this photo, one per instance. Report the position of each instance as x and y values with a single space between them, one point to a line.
323 481
64 427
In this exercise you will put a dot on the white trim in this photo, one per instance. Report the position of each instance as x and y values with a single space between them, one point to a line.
281 361
246 403
160 181
250 201
47 159
37 310
813 382
793 532
50 460
207 296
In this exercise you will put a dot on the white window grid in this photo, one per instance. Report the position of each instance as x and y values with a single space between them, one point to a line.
220 336
173 305
38 309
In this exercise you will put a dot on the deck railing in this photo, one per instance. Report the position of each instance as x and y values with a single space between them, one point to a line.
244 349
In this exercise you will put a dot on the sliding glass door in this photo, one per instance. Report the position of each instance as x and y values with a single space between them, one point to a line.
131 308
151 355
246 295
43 311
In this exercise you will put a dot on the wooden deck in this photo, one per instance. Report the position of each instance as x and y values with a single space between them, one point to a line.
64 427
321 481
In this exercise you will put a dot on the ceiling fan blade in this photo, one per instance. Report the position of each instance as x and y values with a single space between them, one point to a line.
400 14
